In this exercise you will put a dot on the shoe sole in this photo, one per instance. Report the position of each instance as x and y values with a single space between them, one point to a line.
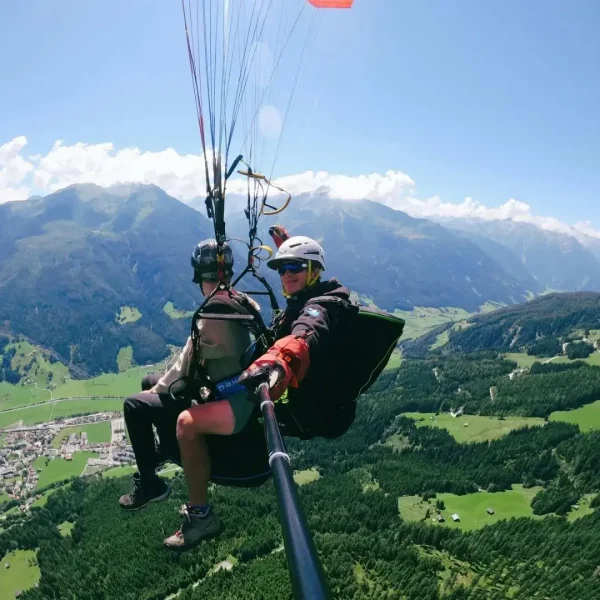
156 499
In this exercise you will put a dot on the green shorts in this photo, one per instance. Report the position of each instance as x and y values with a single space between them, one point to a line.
242 408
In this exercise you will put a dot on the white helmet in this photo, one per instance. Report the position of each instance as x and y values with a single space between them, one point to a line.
298 248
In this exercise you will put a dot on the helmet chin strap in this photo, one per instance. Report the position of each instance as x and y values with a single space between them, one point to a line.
310 282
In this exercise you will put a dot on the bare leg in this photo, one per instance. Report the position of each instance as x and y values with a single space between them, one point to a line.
192 425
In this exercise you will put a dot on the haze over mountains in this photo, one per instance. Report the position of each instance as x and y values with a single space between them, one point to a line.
554 260
71 261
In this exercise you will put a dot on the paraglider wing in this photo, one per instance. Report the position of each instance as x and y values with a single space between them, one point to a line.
331 3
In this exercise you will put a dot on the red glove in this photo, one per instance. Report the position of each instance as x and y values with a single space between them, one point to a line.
283 365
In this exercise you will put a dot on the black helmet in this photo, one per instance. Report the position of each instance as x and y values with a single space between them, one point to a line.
204 261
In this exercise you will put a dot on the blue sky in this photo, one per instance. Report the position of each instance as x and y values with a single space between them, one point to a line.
491 100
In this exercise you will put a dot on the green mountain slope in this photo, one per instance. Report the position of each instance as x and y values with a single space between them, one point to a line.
88 271
539 327
511 328
73 261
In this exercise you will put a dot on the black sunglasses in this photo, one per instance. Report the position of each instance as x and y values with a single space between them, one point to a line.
291 267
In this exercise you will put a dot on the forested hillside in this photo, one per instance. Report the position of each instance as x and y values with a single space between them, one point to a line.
542 320
370 545
86 272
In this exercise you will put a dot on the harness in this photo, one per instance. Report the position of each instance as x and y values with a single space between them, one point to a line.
246 314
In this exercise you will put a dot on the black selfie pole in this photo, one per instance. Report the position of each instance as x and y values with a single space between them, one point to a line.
307 576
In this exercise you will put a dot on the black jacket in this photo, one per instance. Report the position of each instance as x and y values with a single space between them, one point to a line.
315 406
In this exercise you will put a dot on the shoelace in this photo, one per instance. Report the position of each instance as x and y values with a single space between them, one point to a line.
137 488
185 513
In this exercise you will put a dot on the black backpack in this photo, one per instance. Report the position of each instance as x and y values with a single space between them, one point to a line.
367 338
325 402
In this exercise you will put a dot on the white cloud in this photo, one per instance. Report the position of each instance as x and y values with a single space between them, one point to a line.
101 164
13 170
586 228
182 176
381 188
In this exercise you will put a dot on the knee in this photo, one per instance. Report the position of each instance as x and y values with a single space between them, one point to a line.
130 404
134 405
148 381
185 426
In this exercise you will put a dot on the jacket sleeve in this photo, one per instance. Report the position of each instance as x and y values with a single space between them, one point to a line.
316 323
180 368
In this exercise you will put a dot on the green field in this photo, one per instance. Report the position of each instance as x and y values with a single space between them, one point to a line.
471 508
170 470
125 359
98 433
59 469
593 359
14 396
584 508
306 476
175 313
38 374
43 499
422 320
33 363
66 408
441 340
490 306
587 417
479 429
21 576
119 471
65 528
522 359
395 360
526 361
128 314
109 384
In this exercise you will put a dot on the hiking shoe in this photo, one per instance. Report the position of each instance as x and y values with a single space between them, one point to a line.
194 529
144 492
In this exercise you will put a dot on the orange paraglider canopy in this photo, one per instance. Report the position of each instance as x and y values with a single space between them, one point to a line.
331 3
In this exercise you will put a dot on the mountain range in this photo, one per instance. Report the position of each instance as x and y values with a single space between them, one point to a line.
87 271
553 260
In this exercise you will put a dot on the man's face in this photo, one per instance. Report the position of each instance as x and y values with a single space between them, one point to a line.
294 276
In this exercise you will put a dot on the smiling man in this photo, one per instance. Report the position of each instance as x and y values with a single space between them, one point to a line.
310 396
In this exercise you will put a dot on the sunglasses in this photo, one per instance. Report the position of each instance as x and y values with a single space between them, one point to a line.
291 267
